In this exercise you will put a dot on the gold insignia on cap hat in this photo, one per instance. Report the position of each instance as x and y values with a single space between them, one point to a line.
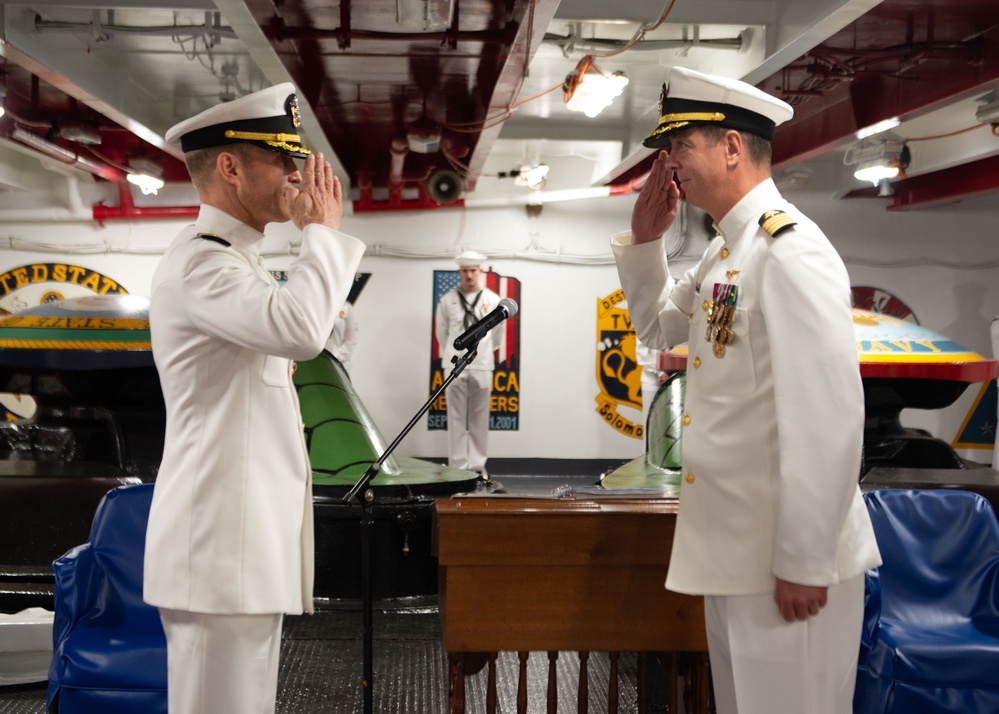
692 116
693 99
669 123
269 118
289 143
291 106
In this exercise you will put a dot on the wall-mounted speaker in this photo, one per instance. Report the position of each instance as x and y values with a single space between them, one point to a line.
445 186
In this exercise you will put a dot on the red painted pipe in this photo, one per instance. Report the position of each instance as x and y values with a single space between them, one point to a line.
127 210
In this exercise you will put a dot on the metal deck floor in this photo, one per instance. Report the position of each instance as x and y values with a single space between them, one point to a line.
322 668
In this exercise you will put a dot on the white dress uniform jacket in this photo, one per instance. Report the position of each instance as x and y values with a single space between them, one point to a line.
774 428
451 323
230 529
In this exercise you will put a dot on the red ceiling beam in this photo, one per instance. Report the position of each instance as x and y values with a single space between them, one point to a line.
864 103
832 119
971 180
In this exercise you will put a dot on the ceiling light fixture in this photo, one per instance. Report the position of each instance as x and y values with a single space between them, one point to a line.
534 177
879 162
590 91
148 184
876 171
426 15
146 174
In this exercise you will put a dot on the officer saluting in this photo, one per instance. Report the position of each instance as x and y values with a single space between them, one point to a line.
772 529
229 545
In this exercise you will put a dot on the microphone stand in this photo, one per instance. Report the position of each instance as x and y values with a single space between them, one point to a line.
368 522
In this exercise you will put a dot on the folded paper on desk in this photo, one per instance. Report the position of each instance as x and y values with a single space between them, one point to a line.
575 492
596 492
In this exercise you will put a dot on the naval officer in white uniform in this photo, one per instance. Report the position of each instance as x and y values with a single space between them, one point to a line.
229 545
771 529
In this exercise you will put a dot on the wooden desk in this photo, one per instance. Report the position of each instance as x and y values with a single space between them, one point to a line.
520 574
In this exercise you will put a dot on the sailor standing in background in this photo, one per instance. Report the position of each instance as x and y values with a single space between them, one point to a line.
229 544
468 396
771 528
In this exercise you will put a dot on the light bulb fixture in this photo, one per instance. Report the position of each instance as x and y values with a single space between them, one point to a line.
148 184
878 163
146 174
590 91
425 15
534 177
875 171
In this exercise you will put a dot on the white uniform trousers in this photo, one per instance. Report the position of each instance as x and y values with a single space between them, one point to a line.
762 664
221 664
468 419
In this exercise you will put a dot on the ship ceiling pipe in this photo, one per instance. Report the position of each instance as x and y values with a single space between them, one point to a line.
127 210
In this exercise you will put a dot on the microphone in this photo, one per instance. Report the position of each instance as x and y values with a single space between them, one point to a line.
506 308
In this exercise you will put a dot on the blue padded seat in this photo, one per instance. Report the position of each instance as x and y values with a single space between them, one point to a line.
930 641
109 651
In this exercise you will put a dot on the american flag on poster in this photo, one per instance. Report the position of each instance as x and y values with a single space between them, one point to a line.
504 408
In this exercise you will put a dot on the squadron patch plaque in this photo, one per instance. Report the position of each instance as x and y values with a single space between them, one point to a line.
619 374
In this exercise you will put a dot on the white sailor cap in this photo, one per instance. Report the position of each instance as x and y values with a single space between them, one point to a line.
268 118
469 259
692 99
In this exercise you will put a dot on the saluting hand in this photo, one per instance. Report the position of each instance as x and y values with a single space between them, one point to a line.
657 204
320 197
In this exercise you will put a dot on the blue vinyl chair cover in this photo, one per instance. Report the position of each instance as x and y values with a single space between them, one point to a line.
930 641
109 648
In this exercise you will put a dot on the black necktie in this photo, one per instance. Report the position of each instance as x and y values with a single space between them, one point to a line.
469 309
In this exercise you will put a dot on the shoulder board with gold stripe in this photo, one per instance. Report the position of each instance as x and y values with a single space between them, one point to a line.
776 222
215 239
